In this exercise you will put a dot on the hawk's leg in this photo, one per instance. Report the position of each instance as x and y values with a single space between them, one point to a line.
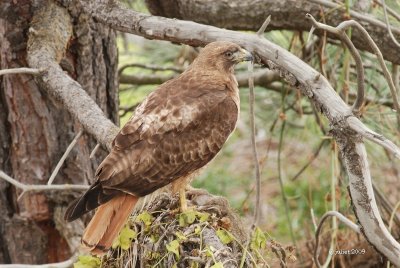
182 199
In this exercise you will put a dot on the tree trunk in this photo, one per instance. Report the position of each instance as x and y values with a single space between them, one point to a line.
35 130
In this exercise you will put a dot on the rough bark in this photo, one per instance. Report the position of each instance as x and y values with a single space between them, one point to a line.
286 15
35 129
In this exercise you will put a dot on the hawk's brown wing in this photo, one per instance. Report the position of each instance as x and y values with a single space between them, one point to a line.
168 141
174 132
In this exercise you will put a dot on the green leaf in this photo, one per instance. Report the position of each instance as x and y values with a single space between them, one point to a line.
258 239
224 236
124 238
87 261
218 265
180 236
197 230
202 216
145 217
187 217
173 247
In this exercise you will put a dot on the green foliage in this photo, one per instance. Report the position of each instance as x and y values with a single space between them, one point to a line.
86 261
173 247
146 218
225 236
258 239
188 217
217 265
124 238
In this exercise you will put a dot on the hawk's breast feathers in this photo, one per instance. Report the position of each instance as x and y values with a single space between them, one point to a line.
178 129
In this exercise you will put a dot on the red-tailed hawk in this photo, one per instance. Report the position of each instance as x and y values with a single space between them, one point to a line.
175 131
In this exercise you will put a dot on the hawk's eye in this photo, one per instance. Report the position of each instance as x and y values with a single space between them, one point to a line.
228 54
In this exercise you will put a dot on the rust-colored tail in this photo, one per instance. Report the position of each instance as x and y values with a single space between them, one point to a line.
107 222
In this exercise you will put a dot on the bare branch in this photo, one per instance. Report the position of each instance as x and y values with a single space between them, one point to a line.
45 50
20 71
388 24
37 187
389 10
367 133
95 149
253 143
339 31
340 217
66 153
261 31
151 67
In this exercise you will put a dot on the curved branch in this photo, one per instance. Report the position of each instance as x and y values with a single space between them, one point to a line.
341 218
339 31
46 46
297 73
286 15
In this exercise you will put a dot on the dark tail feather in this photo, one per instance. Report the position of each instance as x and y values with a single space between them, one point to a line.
90 200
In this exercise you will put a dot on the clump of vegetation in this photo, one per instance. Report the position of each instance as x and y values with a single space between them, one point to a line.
209 234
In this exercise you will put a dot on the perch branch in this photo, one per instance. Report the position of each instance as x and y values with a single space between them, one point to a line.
285 16
20 71
297 73
341 218
66 153
37 187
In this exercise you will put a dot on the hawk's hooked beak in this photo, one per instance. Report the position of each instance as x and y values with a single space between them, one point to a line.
243 55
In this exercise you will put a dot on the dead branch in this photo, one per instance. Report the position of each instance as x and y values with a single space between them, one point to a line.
340 31
20 71
37 187
287 15
262 77
66 153
253 137
46 46
150 67
340 217
144 79
389 28
351 23
297 73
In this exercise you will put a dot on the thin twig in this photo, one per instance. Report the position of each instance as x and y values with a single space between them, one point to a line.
341 218
36 187
254 145
151 67
313 157
340 32
389 10
367 133
66 153
20 71
93 153
346 24
261 31
388 24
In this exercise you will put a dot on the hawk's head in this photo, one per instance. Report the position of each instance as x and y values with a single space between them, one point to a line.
222 55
